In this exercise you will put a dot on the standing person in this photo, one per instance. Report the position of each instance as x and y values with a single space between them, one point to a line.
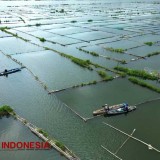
126 108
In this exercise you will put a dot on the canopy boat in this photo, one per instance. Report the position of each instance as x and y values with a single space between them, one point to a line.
114 110
6 72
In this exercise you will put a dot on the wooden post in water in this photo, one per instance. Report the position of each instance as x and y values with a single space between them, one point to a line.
148 145
124 142
114 154
111 153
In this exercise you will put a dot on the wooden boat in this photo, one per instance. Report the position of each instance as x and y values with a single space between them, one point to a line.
120 110
114 110
6 72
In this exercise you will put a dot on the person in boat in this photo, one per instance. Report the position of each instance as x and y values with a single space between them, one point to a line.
126 107
5 70
106 107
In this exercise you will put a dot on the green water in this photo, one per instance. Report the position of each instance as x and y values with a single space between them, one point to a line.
85 138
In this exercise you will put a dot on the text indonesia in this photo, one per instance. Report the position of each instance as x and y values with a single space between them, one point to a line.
25 145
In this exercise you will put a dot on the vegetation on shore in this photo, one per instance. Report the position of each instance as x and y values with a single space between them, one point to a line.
123 61
118 50
153 54
83 63
122 74
143 84
85 84
73 21
42 39
61 11
6 110
89 52
108 78
57 143
42 132
149 43
104 75
38 24
98 55
90 20
137 73
5 29
80 62
60 145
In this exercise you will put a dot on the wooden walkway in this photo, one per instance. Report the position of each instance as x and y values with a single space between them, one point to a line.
67 153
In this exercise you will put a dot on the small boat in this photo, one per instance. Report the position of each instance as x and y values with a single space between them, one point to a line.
6 72
114 110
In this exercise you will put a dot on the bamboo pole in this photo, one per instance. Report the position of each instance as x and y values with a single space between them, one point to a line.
124 142
147 101
111 153
148 145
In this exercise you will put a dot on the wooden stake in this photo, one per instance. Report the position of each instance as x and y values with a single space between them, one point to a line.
111 153
148 145
125 142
